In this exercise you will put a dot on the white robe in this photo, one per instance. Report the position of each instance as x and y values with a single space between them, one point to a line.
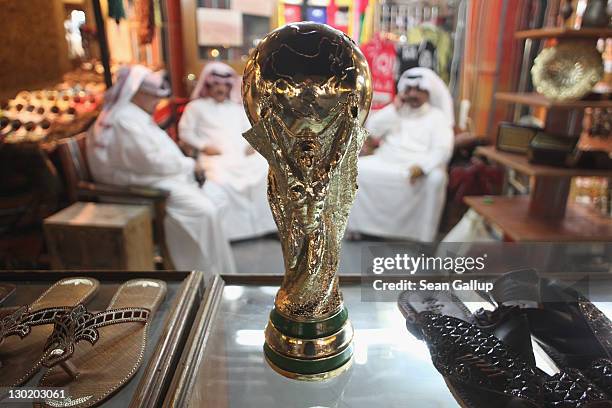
207 123
138 153
387 204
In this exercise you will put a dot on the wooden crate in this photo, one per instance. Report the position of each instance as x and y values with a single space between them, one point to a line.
100 236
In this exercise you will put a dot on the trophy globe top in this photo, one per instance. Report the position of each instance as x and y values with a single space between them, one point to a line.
306 72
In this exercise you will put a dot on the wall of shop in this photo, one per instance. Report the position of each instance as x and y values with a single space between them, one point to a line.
193 61
257 18
34 50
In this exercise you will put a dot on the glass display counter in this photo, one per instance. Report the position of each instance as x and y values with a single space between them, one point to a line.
224 365
205 346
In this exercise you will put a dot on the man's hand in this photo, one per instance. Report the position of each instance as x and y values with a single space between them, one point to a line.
199 173
416 172
211 151
249 150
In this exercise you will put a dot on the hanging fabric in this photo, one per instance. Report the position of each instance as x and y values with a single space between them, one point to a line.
146 21
367 9
381 56
116 10
426 46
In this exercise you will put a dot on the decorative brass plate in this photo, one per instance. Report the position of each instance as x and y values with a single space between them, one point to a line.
567 71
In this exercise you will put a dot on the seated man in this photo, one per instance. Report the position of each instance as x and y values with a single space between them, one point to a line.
213 123
402 186
127 148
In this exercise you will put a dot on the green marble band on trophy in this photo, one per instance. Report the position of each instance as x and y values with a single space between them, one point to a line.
307 93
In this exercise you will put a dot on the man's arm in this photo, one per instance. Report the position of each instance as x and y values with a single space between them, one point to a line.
381 122
441 146
145 151
188 128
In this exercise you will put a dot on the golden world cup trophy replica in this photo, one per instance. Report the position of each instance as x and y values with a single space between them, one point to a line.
307 92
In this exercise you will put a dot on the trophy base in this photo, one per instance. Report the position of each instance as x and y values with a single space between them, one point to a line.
308 377
309 350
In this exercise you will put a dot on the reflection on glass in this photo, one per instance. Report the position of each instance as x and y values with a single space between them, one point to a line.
390 366
233 292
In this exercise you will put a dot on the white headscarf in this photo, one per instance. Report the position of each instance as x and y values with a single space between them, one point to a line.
428 80
128 81
217 72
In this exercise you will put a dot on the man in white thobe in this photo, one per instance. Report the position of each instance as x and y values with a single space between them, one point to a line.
213 123
402 186
127 148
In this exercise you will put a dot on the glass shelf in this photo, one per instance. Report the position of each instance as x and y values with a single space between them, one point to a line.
223 364
389 365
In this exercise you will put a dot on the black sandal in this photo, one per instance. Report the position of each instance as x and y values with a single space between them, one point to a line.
486 358
571 329
505 323
482 371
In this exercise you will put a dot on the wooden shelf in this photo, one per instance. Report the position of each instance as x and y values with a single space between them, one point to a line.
519 163
563 32
535 99
511 215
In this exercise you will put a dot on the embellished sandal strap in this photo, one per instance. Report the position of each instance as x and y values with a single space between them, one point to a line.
118 316
78 324
599 323
20 322
465 353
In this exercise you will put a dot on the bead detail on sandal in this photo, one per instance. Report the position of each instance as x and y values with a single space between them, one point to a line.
67 402
21 321
79 324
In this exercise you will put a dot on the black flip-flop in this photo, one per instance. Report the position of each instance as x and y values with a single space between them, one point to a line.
486 357
568 327
481 371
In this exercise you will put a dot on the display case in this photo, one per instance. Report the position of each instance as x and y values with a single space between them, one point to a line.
223 363
167 334
205 346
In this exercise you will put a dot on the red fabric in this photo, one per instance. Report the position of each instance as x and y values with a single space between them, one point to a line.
479 72
362 5
338 17
292 13
332 9
381 56
477 178
168 115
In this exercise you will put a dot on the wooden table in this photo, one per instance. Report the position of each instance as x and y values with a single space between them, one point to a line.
539 100
550 187
511 215
543 215
564 32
